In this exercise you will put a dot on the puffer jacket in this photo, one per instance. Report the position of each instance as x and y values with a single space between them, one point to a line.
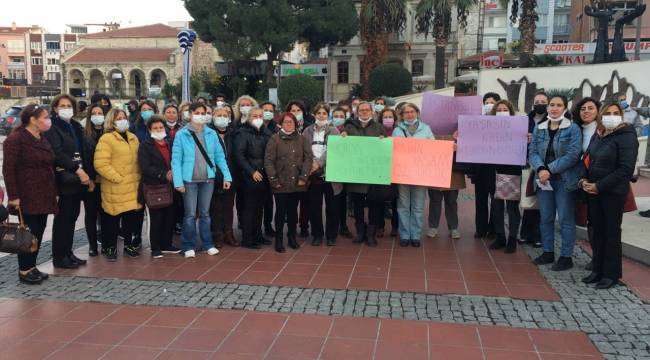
250 145
116 161
353 128
613 160
288 158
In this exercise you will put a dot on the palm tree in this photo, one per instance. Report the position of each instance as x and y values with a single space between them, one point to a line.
378 19
434 17
527 24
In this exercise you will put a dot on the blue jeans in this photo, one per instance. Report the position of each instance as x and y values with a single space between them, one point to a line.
410 208
197 195
563 202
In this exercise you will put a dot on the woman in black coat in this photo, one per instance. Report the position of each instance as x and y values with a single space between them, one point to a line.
66 138
154 157
610 162
92 198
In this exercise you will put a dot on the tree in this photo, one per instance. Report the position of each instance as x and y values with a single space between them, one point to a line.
378 19
390 80
526 18
298 87
246 29
434 17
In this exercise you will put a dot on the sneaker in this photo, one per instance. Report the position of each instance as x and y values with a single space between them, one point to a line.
190 254
132 251
432 232
156 254
172 250
563 263
212 251
455 234
545 258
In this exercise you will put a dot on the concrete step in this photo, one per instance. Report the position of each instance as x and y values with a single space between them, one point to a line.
644 171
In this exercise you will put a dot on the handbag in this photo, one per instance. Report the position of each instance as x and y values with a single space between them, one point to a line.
528 198
630 202
508 187
218 176
158 196
16 238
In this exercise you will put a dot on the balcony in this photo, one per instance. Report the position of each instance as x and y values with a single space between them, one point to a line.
14 82
561 29
16 65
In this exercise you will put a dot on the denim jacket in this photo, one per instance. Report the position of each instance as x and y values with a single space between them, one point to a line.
567 145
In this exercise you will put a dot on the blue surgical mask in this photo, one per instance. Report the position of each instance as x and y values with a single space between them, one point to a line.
624 104
146 115
411 122
97 119
221 122
338 121
267 115
379 107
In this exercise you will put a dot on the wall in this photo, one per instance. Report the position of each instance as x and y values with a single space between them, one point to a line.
170 43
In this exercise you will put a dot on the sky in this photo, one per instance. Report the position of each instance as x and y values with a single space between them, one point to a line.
53 15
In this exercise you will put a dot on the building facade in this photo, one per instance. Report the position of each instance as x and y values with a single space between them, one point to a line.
13 54
44 56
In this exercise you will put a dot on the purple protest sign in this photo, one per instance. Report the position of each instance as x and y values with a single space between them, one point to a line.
441 112
485 139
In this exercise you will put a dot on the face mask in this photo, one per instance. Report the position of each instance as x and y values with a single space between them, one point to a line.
97 119
245 109
106 108
146 115
624 104
220 104
45 125
338 121
388 122
559 118
411 122
287 132
221 122
299 117
321 123
612 121
503 113
379 107
122 125
65 114
267 115
198 119
354 109
365 121
487 108
348 115
186 115
539 109
82 122
171 123
158 135
257 123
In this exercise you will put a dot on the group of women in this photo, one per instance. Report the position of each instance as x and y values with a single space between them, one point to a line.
206 161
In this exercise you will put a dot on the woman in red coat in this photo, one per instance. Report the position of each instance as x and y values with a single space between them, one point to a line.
28 170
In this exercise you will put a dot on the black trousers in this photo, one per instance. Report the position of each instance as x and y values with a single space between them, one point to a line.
161 228
316 193
268 211
530 225
92 209
304 211
375 210
484 194
342 208
606 216
239 205
287 211
137 227
221 211
111 227
252 216
64 223
179 208
514 217
36 224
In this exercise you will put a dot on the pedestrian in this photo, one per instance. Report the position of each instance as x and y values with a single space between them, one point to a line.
338 120
92 199
268 109
132 107
630 115
66 139
389 119
410 203
116 161
154 157
197 159
365 125
27 168
508 178
317 135
146 110
288 162
610 162
172 123
554 155
184 113
301 113
242 109
223 201
250 146
241 112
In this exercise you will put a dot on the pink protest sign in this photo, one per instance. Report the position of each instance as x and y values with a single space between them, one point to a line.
485 139
441 112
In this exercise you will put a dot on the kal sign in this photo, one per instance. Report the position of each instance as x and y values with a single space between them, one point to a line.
583 53
491 61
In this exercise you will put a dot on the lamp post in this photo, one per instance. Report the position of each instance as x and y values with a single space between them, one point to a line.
186 40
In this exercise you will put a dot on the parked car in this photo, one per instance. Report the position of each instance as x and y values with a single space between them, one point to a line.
9 119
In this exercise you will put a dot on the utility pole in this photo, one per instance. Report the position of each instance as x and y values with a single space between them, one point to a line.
637 44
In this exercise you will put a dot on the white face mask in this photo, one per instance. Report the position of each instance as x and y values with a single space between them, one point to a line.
158 135
97 119
612 121
503 113
257 123
122 125
221 122
171 123
186 116
267 115
299 117
347 115
198 119
365 121
287 132
220 104
321 123
65 114
487 108
557 119
82 122
245 109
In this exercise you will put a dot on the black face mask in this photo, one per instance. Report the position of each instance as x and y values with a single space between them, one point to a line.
540 108
105 108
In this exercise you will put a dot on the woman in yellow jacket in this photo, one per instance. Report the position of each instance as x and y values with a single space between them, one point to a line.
116 161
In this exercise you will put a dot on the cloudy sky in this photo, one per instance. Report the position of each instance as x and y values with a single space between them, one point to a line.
54 15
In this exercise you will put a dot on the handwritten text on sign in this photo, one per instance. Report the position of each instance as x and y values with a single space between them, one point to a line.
357 159
422 162
492 139
441 112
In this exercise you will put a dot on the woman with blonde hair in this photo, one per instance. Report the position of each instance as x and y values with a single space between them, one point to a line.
242 108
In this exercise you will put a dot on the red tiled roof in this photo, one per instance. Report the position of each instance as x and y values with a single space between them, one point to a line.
120 55
146 31
17 30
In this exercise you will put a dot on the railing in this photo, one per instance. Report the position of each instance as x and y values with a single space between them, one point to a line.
14 82
561 29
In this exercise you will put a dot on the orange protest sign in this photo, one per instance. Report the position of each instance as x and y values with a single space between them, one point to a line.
422 162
